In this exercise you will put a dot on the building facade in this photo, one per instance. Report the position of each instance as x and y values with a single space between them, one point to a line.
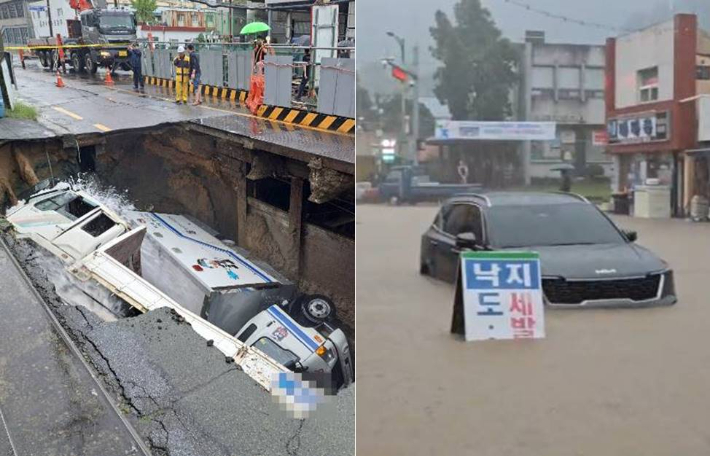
15 22
655 78
563 83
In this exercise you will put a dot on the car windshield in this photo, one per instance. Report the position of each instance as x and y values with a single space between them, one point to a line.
269 347
555 224
116 21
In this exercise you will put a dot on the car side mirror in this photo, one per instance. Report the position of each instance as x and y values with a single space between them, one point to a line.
631 235
466 241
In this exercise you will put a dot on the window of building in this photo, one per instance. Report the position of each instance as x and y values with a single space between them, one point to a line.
13 10
703 73
60 12
5 12
195 21
181 20
648 84
20 10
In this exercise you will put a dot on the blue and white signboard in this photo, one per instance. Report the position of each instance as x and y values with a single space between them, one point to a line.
502 295
496 131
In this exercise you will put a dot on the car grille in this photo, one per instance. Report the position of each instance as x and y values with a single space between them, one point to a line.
560 291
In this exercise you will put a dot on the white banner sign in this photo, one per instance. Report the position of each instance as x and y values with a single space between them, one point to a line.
496 131
502 295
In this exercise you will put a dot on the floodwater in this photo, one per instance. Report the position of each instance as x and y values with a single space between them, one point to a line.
603 382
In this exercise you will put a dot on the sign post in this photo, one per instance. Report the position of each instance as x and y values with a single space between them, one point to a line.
499 296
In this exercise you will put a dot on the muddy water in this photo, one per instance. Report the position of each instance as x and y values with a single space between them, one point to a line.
604 382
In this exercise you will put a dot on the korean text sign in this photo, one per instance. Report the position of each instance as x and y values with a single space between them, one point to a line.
502 295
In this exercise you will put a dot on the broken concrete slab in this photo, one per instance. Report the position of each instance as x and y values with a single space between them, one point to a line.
184 397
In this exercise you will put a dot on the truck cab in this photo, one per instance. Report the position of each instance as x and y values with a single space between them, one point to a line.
322 352
244 297
115 28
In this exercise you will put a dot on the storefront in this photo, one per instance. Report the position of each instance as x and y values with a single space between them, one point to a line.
640 143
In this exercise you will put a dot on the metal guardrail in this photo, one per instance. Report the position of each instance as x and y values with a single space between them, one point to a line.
230 65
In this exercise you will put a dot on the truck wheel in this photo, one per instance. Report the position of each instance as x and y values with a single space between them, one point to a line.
77 62
91 66
43 59
317 308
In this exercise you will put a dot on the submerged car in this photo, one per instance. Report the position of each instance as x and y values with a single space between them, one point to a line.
586 259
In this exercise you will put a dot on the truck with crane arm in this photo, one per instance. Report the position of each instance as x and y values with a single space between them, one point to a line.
98 37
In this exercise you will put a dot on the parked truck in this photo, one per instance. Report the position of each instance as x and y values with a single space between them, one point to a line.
410 184
98 37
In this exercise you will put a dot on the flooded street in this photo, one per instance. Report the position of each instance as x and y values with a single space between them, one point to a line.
603 382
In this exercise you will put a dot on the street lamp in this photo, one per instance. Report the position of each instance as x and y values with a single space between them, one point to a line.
400 41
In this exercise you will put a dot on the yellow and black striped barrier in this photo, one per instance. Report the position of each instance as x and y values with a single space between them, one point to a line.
307 119
287 115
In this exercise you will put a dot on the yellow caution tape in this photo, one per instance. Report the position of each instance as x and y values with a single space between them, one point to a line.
65 46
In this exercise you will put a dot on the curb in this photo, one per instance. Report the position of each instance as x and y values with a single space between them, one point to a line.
287 115
307 119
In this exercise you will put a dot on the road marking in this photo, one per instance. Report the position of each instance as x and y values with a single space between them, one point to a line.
68 113
102 127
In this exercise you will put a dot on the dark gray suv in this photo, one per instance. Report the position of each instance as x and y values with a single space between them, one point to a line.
586 260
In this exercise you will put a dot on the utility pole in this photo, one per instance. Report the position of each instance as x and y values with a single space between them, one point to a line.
415 107
403 141
49 20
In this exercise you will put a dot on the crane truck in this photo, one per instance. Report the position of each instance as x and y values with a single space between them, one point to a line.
98 37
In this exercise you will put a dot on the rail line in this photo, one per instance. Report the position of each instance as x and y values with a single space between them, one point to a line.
139 443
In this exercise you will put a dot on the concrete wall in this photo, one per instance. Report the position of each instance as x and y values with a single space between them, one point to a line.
566 83
173 170
654 46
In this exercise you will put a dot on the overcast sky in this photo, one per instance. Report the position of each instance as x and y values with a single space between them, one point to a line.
412 19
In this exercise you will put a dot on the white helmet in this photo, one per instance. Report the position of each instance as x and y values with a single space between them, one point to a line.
181 49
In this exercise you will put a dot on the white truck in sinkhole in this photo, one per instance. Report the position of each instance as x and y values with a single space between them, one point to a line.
248 310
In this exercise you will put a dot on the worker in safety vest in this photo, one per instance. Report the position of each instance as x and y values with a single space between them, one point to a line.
182 75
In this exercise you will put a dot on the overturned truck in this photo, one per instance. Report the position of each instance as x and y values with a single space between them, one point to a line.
246 309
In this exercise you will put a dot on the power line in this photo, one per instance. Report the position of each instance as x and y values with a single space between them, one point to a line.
564 18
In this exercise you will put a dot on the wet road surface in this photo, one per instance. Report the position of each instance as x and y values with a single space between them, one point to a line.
48 400
86 105
604 382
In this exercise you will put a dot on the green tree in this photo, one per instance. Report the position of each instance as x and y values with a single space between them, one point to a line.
363 101
392 116
144 10
479 65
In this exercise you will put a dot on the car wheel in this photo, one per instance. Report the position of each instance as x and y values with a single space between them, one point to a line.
424 267
91 66
77 62
43 59
317 308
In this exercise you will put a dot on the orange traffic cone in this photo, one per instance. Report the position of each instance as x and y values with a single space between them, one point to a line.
109 79
60 83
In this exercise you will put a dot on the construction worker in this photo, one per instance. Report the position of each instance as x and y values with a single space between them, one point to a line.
182 75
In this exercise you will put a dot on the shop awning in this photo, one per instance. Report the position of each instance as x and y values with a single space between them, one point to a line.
702 152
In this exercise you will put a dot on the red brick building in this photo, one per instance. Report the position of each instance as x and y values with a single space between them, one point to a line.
654 78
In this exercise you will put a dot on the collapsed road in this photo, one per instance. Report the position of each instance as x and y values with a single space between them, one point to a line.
282 192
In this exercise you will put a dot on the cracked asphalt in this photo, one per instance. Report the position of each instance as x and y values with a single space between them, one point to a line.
47 398
183 397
